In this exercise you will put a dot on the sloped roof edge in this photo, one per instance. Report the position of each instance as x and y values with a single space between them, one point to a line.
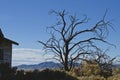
13 42
2 36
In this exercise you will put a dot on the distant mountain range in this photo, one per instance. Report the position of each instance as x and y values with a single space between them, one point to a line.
116 66
49 65
42 65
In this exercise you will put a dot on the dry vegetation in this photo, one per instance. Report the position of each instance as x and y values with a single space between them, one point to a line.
48 74
92 71
98 77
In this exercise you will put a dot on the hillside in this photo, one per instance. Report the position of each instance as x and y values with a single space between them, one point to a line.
49 65
42 65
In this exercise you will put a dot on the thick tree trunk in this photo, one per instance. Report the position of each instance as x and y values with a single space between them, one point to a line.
66 65
66 68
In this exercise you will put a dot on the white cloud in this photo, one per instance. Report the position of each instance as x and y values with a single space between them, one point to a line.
28 56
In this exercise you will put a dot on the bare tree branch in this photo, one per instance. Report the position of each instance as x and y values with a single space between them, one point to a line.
63 42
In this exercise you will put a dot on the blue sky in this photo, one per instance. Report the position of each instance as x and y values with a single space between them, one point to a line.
25 21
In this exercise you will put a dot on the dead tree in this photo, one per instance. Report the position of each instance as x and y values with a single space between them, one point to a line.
71 38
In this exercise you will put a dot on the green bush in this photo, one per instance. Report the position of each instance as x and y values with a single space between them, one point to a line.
47 74
20 75
6 72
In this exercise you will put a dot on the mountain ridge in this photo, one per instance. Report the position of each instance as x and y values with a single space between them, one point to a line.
42 65
49 65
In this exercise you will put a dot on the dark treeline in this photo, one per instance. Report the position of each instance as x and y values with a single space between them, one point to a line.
7 73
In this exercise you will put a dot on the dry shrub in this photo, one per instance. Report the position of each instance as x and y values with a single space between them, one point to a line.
114 77
92 77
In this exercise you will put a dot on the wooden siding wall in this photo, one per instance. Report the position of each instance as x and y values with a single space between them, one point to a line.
7 47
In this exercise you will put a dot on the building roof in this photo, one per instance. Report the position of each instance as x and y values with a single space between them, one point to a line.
1 34
13 42
6 39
